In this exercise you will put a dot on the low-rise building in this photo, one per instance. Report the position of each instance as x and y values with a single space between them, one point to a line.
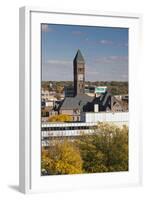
73 106
59 130
106 102
45 95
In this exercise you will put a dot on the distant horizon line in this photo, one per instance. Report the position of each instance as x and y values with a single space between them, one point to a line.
85 81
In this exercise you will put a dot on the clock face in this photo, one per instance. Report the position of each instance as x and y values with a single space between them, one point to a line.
80 77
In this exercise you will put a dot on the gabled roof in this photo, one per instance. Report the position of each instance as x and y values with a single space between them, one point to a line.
107 99
77 102
107 94
79 57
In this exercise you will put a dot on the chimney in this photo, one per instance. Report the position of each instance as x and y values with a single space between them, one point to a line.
96 108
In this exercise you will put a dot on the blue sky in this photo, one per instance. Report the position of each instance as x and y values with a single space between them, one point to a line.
104 49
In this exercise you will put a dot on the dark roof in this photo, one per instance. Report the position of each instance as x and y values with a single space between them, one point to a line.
106 96
107 99
79 57
77 102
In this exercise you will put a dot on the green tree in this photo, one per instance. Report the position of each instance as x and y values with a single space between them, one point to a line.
118 155
62 158
106 150
94 160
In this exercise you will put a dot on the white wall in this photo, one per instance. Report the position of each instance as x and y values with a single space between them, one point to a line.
9 34
107 117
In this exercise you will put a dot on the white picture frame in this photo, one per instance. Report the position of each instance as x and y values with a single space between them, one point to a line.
29 161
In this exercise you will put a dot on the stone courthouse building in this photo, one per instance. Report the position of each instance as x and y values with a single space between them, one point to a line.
80 102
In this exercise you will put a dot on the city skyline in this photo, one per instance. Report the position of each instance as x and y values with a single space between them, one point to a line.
105 51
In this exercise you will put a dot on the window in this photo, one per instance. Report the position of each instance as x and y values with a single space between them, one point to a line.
80 70
78 118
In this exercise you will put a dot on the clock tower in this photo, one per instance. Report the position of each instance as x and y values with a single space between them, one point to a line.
79 73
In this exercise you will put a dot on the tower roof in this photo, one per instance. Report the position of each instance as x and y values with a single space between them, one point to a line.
79 57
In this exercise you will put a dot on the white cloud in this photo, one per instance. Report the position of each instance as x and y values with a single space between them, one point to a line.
46 28
59 62
91 71
123 45
108 42
112 59
124 76
118 58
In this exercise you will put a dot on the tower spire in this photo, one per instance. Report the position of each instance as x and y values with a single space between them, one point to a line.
79 57
79 73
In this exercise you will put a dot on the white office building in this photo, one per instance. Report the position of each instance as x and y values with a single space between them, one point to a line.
86 126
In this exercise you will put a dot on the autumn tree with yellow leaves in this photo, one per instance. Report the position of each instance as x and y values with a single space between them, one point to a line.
60 118
62 158
105 150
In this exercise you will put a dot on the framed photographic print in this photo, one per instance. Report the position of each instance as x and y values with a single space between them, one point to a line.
79 110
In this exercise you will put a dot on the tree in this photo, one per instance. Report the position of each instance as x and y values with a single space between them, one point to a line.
62 158
60 118
94 160
57 96
106 150
59 88
118 155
